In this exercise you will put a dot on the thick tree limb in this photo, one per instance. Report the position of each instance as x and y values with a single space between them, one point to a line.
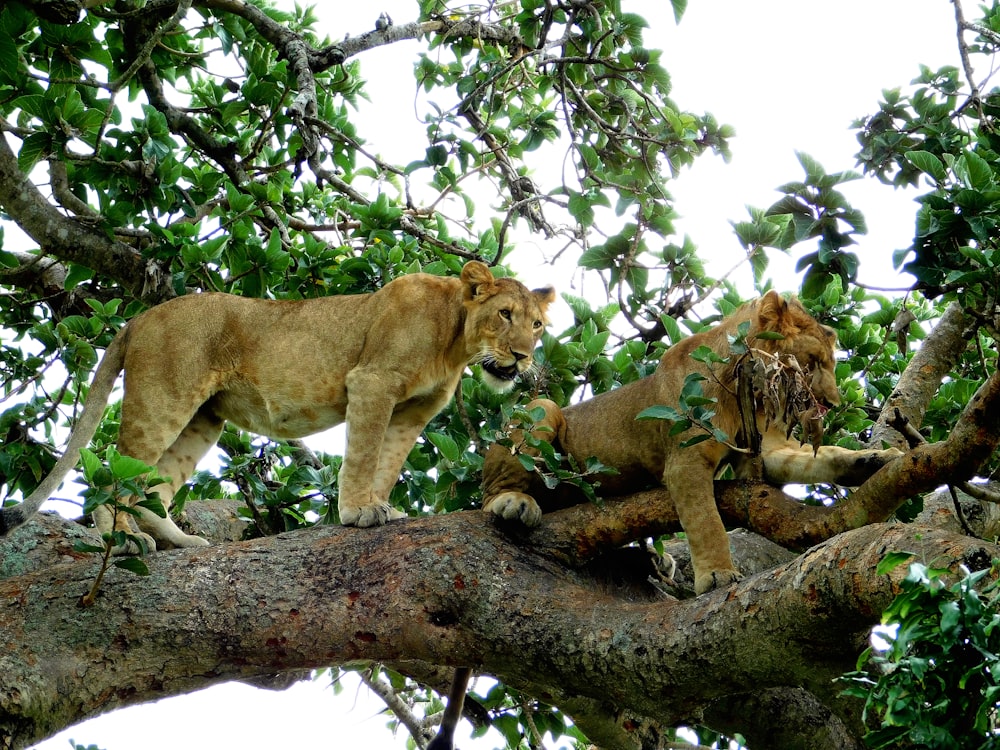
445 590
75 241
783 719
972 441
920 380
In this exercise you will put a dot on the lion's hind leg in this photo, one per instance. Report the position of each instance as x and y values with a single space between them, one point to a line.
176 462
506 483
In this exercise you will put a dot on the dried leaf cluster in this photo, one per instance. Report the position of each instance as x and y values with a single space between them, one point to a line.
781 389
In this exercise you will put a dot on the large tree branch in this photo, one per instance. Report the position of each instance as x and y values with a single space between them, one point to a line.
446 590
76 241
918 383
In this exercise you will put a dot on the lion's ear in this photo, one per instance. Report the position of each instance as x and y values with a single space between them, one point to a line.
772 311
544 297
477 279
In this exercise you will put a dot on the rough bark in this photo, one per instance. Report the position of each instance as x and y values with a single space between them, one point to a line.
917 385
443 590
782 719
981 519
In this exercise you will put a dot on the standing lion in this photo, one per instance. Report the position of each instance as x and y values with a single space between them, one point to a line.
385 363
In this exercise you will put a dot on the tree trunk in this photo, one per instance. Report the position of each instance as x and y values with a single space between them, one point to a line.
451 590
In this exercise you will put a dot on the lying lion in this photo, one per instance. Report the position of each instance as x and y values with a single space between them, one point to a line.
385 363
644 452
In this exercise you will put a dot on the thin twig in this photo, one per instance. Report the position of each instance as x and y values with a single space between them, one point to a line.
394 703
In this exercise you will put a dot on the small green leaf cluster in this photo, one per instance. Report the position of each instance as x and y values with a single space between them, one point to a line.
814 209
443 470
523 721
280 492
955 245
588 355
122 485
56 348
937 684
919 120
539 456
693 410
927 137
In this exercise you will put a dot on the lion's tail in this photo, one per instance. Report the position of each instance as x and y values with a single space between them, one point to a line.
93 412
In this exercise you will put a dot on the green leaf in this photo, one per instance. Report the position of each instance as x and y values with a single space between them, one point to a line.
928 163
436 156
153 504
977 170
446 445
81 546
76 275
8 57
951 617
674 332
34 148
133 565
813 169
580 209
891 561
598 257
91 464
695 440
126 467
696 400
660 412
707 355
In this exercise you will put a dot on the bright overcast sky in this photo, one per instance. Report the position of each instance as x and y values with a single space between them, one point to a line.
789 75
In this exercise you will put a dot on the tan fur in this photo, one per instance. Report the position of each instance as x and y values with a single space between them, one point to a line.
385 363
644 453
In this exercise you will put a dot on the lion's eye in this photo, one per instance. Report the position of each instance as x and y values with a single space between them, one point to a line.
537 324
505 314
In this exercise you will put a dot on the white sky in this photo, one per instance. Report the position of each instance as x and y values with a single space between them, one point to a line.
789 75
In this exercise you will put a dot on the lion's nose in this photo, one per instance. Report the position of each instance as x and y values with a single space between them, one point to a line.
518 356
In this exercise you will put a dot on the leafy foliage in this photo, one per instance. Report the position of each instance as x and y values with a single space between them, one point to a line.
936 684
120 488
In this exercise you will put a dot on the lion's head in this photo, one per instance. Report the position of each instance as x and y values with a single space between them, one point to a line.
813 345
504 322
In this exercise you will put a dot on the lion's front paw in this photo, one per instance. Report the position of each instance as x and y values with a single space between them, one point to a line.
876 459
715 579
374 514
515 506
864 464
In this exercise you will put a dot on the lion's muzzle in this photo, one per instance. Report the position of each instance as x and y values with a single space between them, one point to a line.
500 372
